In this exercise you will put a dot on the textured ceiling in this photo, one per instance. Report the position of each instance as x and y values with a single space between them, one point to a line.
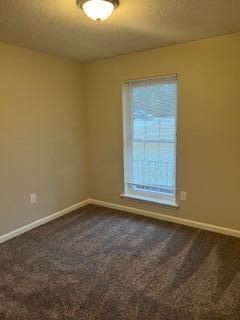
60 27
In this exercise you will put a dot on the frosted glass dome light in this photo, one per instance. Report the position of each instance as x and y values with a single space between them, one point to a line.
98 9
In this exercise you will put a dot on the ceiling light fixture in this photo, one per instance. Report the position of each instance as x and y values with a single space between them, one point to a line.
98 9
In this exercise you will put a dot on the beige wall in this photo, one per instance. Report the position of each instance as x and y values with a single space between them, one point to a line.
42 135
208 165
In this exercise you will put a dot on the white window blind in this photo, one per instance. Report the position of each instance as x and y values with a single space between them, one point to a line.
150 108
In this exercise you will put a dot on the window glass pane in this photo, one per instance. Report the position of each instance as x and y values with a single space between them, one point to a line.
167 128
138 151
139 129
167 152
138 172
152 128
154 100
151 152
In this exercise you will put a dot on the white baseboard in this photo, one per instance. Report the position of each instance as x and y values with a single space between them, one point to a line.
159 216
44 220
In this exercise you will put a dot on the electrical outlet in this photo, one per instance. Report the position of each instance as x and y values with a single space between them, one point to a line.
33 198
183 196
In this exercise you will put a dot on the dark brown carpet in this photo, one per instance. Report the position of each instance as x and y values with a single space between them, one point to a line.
98 263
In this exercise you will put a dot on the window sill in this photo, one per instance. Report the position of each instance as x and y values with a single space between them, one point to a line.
148 200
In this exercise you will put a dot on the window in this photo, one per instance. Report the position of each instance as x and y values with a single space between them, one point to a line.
150 108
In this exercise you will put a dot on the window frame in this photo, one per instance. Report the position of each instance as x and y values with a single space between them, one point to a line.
129 194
